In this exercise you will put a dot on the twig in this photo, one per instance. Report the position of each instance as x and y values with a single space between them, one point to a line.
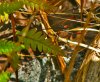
92 15
71 20
80 44
80 29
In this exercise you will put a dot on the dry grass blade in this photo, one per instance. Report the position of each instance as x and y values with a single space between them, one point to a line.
80 29
51 34
89 55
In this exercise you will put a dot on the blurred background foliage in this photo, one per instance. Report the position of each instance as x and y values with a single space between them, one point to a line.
35 34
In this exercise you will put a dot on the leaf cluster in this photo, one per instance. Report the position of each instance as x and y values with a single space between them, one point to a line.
37 40
10 7
7 8
33 38
16 5
4 76
8 47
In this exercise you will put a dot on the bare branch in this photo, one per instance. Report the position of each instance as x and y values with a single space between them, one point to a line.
80 44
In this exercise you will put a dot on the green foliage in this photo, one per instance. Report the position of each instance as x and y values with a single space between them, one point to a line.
4 76
37 40
4 17
10 7
40 5
14 61
7 8
32 38
8 46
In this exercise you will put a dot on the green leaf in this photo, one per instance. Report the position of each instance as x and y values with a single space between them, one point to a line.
40 47
37 35
31 32
14 60
37 40
26 43
10 7
33 45
4 76
8 46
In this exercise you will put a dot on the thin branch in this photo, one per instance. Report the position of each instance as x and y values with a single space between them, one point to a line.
92 15
80 29
72 20
80 44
